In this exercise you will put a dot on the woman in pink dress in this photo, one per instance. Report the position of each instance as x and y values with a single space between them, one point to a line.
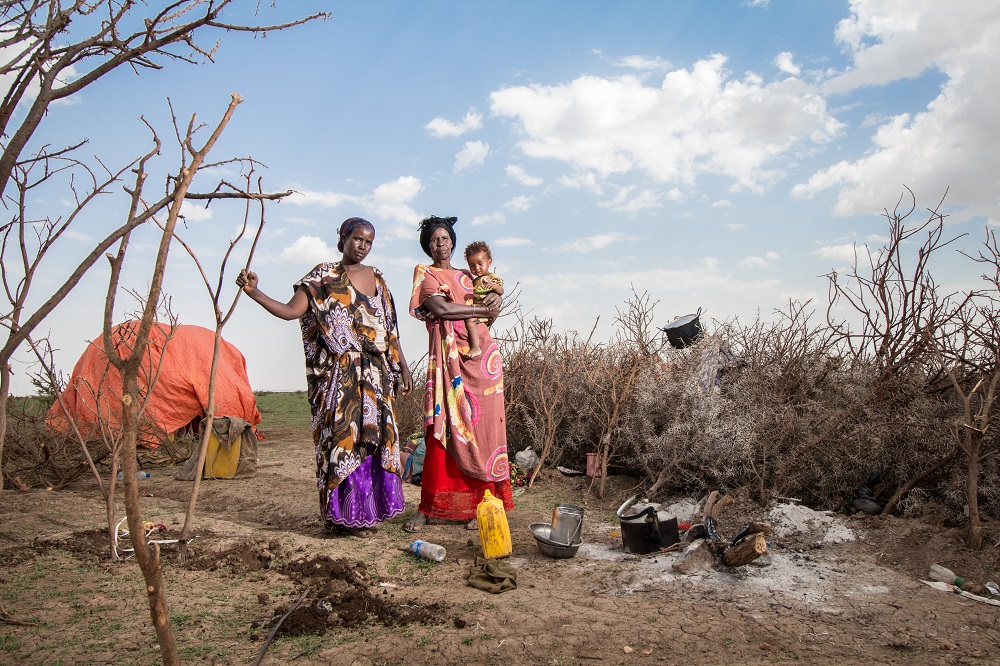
465 428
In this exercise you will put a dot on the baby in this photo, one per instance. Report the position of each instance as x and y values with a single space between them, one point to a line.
479 257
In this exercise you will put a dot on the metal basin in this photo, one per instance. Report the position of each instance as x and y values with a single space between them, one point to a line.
549 548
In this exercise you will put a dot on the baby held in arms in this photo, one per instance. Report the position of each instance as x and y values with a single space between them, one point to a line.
480 260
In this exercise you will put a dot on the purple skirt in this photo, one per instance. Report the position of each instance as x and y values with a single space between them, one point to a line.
368 496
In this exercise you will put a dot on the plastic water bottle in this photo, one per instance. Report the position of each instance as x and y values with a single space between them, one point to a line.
944 575
429 551
140 475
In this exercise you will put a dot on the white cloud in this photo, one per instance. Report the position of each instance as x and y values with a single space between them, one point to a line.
722 203
582 181
519 204
492 218
513 241
786 63
753 262
696 121
759 262
441 127
388 202
655 63
736 226
843 252
472 154
630 200
195 212
308 250
954 141
518 174
591 243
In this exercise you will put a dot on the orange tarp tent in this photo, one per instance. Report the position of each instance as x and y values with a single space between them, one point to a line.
179 365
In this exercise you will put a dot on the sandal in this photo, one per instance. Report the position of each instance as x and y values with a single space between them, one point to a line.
415 523
472 524
360 532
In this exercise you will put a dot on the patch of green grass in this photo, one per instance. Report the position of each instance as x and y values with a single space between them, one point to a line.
189 652
303 646
283 411
9 642
178 619
427 638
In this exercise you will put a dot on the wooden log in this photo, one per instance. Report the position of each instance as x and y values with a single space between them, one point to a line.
709 503
746 552
720 504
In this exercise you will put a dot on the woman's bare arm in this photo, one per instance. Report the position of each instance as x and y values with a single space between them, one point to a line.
293 309
441 308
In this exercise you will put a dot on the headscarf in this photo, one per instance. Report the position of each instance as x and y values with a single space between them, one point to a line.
429 225
349 225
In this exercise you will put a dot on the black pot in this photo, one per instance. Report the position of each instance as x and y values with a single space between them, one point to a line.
644 532
683 331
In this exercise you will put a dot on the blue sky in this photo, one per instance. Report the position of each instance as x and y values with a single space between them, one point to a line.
719 155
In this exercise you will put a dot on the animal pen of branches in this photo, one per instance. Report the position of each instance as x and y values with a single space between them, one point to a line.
791 407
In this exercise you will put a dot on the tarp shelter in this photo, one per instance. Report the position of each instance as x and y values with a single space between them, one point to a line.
179 359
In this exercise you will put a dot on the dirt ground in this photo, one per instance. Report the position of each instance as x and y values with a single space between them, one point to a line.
832 588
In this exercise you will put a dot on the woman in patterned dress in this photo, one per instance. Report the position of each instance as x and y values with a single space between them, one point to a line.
354 367
466 435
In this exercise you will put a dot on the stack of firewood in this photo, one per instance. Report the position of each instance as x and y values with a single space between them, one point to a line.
707 548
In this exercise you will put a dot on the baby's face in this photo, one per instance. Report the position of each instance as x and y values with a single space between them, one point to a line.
479 263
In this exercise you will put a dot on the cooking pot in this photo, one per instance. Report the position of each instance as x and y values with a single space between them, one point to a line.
683 331
646 527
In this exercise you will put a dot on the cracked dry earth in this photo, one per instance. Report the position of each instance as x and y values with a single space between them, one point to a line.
832 589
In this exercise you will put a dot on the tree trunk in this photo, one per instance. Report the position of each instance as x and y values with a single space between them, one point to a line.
4 386
109 506
205 438
605 452
148 558
974 440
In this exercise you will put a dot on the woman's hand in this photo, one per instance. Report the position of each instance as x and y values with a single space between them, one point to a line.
407 380
247 281
491 302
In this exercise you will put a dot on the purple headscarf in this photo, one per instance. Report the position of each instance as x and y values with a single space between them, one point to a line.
349 225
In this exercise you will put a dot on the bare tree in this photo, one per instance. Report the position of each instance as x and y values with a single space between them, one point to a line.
215 294
614 369
898 304
969 351
51 50
128 362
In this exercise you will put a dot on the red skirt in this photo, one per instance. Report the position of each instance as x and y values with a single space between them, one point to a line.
447 493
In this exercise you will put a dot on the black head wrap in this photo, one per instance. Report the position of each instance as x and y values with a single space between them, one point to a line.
429 225
349 225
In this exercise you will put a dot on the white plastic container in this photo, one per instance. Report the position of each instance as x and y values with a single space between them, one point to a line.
428 551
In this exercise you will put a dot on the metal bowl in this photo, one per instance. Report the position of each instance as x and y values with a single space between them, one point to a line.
541 532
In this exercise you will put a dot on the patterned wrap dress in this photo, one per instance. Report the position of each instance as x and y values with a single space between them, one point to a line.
465 427
352 356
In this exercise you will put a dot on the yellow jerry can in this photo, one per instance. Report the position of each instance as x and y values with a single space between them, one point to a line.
221 461
494 532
